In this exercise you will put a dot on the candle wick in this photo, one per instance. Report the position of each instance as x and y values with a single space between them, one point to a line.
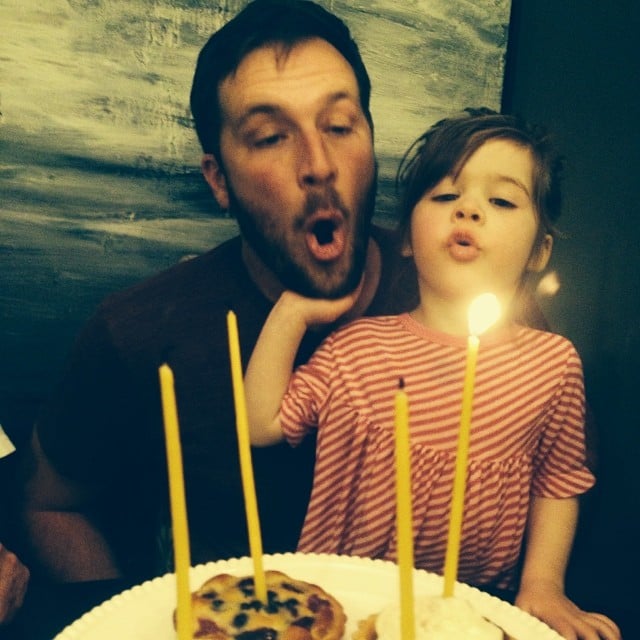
401 383
165 354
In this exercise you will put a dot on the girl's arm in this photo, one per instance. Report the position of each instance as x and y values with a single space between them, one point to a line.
550 533
271 363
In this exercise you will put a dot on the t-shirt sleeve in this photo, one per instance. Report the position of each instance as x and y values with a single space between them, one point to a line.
560 469
87 429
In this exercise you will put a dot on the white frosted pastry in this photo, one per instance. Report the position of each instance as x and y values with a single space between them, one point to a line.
436 618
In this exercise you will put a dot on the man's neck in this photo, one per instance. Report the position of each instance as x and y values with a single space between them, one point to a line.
272 288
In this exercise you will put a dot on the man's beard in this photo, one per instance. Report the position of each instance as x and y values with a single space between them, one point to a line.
308 277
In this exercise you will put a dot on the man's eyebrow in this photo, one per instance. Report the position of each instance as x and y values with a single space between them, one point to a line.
256 110
341 95
271 109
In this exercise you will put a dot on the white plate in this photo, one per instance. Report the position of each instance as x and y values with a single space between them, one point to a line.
363 586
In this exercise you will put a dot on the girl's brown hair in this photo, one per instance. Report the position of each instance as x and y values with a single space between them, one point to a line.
446 146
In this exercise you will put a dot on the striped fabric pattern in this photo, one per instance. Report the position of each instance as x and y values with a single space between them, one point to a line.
527 437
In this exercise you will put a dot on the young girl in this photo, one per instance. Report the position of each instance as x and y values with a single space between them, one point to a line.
479 196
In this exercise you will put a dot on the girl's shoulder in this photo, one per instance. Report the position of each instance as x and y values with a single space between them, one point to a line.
541 335
365 329
369 323
553 342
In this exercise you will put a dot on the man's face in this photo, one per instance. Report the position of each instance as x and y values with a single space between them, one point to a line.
298 168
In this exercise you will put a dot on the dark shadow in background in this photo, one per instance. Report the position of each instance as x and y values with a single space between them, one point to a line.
570 66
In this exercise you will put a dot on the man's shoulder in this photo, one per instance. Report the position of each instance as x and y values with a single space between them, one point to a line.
212 270
175 301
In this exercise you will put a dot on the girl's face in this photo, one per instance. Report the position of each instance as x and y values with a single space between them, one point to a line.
475 233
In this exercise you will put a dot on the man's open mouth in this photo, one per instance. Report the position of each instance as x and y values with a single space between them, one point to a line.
323 231
325 235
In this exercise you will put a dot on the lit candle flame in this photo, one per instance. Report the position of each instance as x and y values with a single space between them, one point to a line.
484 311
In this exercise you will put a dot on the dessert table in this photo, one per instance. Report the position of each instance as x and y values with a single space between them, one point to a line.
50 608
87 611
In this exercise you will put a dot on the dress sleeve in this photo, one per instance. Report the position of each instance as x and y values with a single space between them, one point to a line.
308 390
560 469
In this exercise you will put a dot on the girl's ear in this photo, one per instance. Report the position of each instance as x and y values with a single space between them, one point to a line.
540 257
214 175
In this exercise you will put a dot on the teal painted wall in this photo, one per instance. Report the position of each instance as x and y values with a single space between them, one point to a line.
99 166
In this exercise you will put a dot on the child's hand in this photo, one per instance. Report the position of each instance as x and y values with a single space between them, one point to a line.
548 603
318 311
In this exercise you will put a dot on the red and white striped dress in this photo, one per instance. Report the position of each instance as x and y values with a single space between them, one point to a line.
527 437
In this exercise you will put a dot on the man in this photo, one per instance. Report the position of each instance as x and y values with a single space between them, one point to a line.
280 99
14 576
14 579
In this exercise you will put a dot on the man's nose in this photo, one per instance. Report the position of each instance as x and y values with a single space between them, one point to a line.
316 164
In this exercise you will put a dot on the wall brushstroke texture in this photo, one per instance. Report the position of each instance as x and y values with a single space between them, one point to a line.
99 165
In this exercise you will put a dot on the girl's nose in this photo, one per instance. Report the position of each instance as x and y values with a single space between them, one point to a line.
467 209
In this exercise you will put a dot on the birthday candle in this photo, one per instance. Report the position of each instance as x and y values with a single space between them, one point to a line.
483 312
460 477
179 525
246 468
404 513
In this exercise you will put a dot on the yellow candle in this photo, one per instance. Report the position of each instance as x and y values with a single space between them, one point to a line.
246 468
484 311
460 477
404 517
180 528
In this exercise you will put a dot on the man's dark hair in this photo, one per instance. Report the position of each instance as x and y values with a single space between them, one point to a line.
260 23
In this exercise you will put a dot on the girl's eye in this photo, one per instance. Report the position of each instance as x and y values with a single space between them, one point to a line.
501 202
444 197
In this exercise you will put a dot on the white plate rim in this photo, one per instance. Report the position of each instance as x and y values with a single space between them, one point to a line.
149 605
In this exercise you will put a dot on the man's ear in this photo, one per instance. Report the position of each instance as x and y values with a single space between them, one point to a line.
214 175
406 250
540 257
